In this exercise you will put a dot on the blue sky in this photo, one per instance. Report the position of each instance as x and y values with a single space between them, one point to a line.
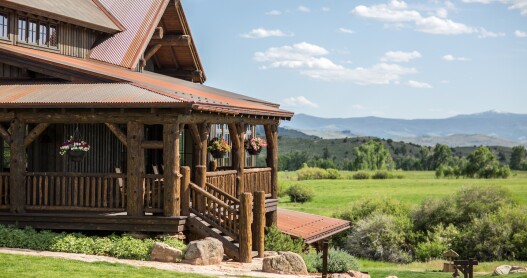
395 59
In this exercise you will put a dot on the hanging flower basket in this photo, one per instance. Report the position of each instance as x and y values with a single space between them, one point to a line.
75 147
218 147
255 145
76 155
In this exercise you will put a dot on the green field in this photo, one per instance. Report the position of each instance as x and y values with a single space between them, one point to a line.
335 195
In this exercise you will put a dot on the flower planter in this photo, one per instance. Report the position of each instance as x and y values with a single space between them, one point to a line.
218 154
76 155
254 152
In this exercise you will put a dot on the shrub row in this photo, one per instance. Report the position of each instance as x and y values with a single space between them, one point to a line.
313 173
125 247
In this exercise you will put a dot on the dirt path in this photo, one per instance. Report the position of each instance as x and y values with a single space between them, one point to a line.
225 269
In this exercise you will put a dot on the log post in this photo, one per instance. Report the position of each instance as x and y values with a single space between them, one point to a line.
201 179
171 178
18 167
204 130
258 227
185 190
246 201
135 169
271 133
237 132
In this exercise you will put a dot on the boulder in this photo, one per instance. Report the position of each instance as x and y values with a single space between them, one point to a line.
502 270
270 253
204 252
517 269
285 263
161 252
358 274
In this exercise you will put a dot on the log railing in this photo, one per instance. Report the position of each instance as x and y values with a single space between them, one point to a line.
76 192
224 180
221 215
4 190
257 179
153 193
222 195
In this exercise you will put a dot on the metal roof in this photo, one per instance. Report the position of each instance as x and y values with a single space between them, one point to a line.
139 18
202 97
308 226
84 13
80 95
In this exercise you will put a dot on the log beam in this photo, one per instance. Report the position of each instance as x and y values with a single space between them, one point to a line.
159 32
5 134
181 73
172 40
135 169
18 167
172 199
35 132
118 133
271 134
152 144
151 52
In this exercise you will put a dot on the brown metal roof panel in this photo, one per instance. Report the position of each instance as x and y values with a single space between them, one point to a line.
84 13
139 17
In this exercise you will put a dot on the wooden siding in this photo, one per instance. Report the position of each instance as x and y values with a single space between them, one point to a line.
76 41
10 72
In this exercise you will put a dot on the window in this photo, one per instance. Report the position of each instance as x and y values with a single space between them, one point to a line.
37 32
4 30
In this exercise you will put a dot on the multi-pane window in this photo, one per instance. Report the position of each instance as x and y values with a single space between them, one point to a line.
37 32
4 30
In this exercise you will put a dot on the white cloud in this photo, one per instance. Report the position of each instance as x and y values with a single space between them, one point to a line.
260 33
397 14
487 34
309 60
419 85
520 34
451 58
520 5
326 9
299 101
346 30
274 12
400 56
358 107
304 9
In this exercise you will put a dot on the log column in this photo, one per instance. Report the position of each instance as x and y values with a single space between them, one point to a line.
200 135
135 169
185 190
246 241
172 198
18 167
271 133
237 132
258 227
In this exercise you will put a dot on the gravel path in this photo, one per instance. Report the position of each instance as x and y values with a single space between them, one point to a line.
225 269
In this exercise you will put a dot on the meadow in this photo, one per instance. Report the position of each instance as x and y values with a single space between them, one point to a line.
332 196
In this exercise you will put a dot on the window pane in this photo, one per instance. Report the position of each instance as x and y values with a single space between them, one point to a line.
32 34
22 27
43 34
53 36
3 26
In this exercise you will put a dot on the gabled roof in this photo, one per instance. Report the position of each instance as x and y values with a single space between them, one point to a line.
202 98
139 18
86 13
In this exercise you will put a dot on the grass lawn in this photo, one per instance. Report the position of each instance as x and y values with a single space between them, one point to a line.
335 195
32 266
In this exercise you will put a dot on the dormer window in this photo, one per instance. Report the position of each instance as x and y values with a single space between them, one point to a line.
37 32
4 30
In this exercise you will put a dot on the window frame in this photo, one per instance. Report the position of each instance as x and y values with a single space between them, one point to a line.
51 42
7 26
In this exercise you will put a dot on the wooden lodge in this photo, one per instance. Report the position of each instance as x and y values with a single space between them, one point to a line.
125 77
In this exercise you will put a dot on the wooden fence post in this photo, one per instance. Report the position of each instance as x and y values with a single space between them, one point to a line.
185 190
135 170
246 202
201 179
259 223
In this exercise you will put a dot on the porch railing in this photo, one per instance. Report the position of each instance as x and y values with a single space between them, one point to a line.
76 192
224 180
257 179
153 193
4 190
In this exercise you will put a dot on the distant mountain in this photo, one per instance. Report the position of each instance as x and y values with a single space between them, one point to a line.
490 127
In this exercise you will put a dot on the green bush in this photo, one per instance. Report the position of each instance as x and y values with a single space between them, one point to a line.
428 250
314 173
380 175
278 241
361 176
334 174
115 246
364 208
339 261
299 193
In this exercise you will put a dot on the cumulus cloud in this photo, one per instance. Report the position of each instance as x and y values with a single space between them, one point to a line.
310 60
274 12
260 33
299 101
520 34
419 85
397 14
520 5
304 9
451 58
487 34
346 30
400 56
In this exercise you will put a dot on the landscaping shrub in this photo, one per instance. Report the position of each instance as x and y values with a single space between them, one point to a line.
278 241
429 250
380 175
361 176
314 173
299 193
116 246
339 261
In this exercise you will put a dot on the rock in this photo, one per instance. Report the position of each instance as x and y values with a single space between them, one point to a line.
204 252
270 253
502 270
285 263
161 252
358 274
517 269
339 275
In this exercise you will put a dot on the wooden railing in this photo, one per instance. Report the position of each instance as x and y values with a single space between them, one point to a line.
76 192
4 190
224 180
153 193
257 179
224 216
